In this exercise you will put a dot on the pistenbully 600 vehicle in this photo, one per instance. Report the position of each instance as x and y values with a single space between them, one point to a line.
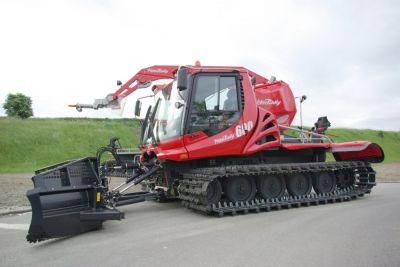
216 138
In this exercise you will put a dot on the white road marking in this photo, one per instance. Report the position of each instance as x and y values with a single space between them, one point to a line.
14 226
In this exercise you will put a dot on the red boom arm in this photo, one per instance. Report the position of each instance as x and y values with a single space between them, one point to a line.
141 79
144 76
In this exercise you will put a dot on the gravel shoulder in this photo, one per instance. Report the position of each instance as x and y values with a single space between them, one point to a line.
387 172
15 185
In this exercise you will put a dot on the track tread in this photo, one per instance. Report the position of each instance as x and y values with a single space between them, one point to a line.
192 190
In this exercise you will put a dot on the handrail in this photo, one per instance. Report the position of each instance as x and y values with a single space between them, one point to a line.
303 136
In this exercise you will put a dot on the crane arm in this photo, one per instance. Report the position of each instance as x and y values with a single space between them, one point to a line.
142 79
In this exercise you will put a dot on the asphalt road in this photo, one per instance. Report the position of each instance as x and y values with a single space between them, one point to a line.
364 232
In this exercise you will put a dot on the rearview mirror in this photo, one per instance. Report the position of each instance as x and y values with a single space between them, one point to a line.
178 105
138 107
182 79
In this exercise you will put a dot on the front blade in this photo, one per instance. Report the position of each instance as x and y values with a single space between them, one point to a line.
67 199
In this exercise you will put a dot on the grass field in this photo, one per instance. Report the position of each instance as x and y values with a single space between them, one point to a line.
30 144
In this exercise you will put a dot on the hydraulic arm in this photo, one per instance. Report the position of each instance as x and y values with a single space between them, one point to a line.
142 79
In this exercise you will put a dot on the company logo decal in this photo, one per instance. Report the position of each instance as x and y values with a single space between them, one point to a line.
158 70
240 130
268 101
224 138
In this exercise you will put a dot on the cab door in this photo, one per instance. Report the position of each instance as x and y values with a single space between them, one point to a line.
214 125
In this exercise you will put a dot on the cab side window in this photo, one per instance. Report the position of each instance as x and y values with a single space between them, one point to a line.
215 105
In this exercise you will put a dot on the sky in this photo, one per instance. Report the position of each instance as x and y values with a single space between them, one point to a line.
344 55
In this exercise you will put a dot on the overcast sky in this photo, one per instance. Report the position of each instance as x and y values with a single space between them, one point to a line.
344 55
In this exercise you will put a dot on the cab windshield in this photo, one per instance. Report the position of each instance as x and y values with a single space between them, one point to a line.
167 113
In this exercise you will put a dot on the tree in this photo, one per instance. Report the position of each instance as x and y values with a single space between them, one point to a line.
18 105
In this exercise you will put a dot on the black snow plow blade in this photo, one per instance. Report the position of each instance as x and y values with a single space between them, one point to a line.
68 199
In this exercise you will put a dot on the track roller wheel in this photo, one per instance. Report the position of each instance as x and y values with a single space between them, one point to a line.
271 186
324 182
240 188
299 184
214 192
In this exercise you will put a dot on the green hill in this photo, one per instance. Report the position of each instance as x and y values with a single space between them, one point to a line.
30 144
26 145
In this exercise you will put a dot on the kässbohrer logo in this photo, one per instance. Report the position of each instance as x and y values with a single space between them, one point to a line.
268 101
158 70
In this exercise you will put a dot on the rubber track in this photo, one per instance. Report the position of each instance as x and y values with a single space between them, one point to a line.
192 190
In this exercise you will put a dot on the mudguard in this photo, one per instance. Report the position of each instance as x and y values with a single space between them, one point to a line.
346 151
68 199
361 150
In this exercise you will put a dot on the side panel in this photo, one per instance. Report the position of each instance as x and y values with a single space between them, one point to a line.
274 104
172 149
278 99
228 142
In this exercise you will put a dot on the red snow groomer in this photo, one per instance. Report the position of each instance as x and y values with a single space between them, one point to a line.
217 138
